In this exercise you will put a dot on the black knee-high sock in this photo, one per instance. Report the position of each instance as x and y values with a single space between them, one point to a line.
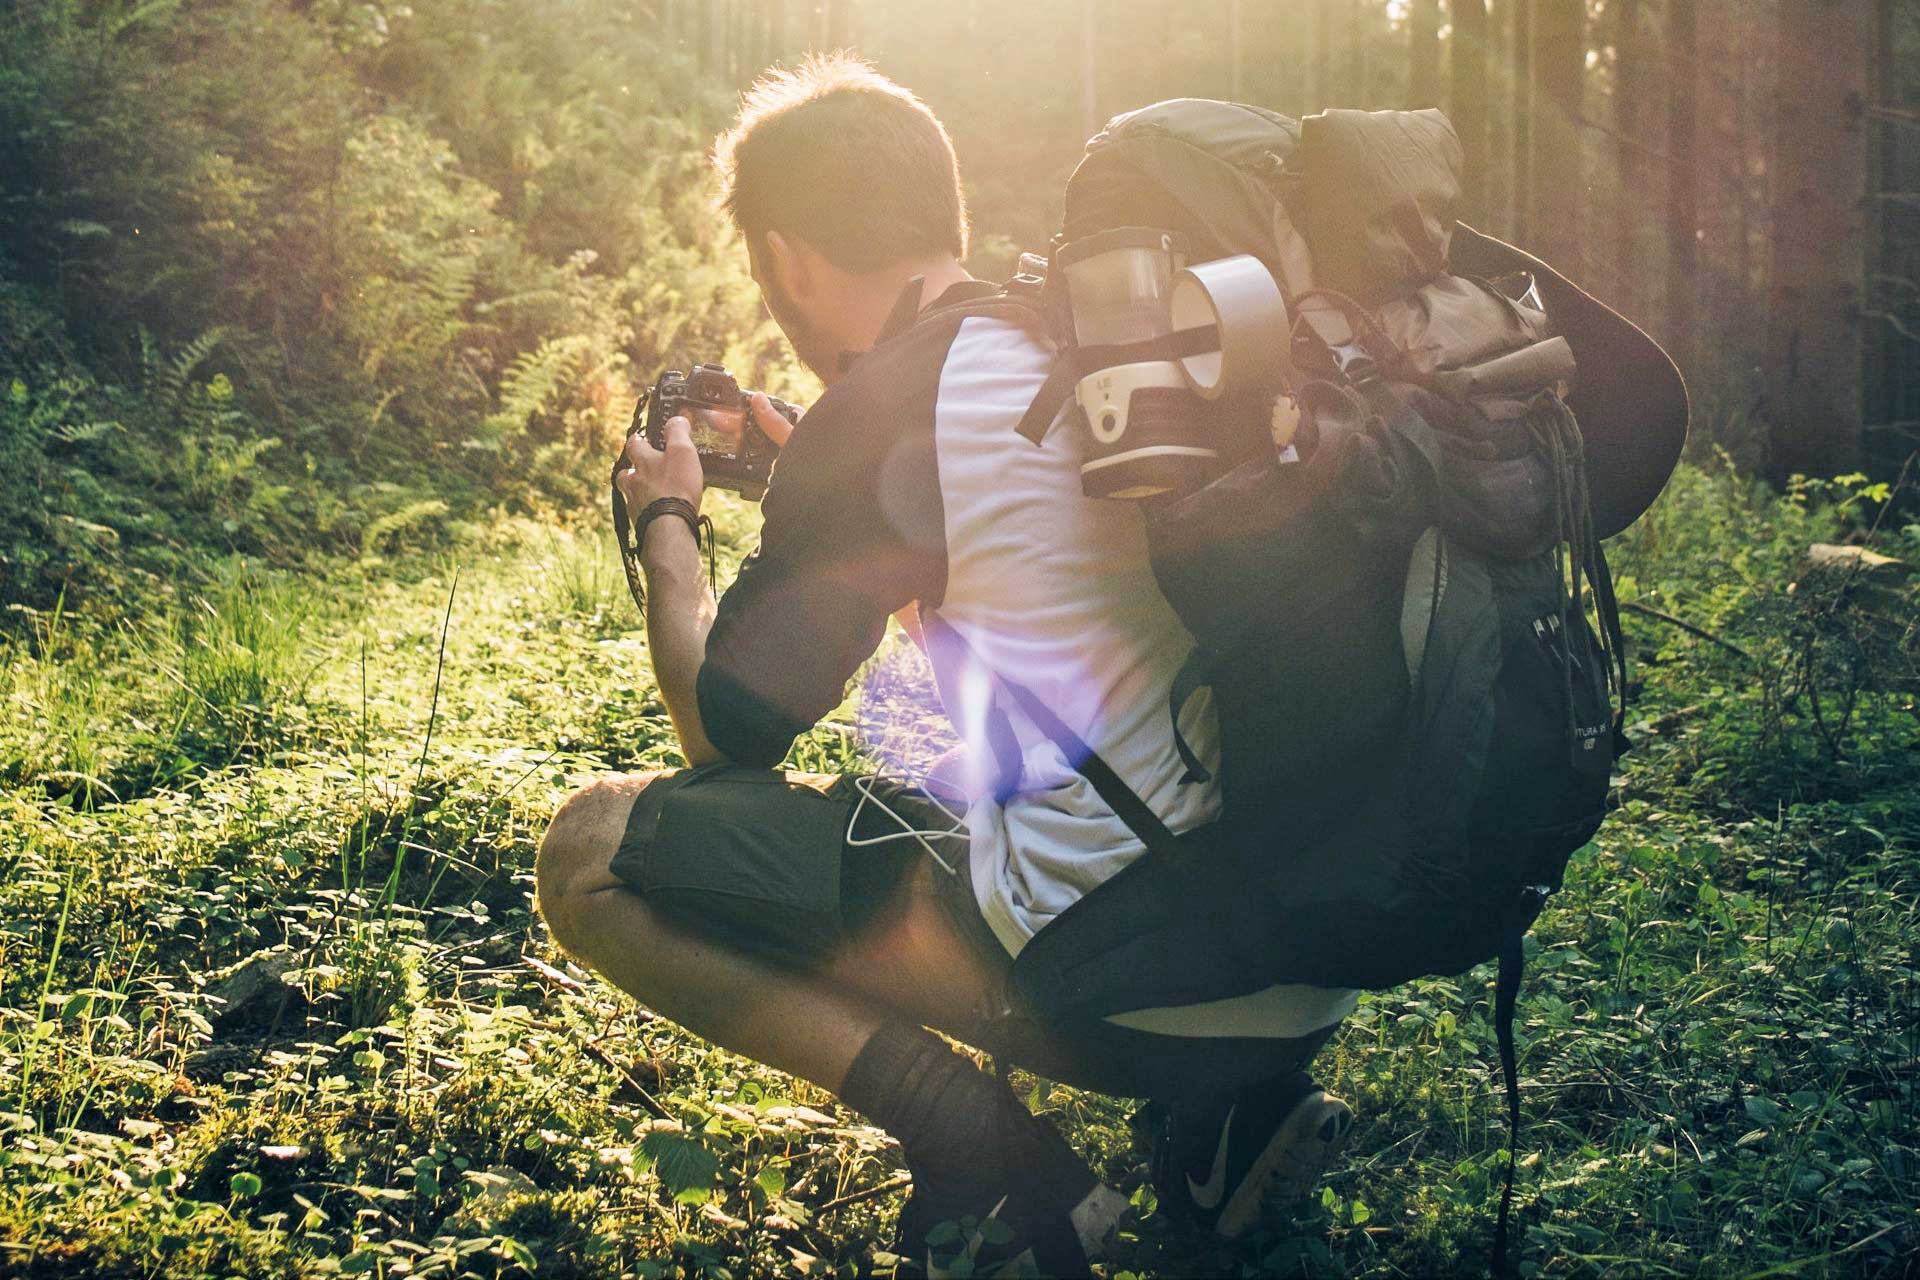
910 1083
951 1119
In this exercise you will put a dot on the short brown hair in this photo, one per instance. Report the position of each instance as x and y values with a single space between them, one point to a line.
838 155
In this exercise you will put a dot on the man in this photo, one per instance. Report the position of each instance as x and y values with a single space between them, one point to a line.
822 924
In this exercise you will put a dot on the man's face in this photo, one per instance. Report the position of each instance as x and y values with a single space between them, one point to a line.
810 340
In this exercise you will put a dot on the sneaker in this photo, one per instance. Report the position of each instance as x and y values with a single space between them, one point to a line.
1026 1205
1215 1166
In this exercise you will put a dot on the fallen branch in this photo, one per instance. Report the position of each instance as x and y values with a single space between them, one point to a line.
605 1059
871 1193
1634 606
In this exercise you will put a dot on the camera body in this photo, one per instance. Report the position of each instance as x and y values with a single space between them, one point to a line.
734 452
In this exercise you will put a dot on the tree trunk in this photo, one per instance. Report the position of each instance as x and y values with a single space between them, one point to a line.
1559 104
1522 36
843 23
1423 70
703 33
1749 335
1322 57
1892 369
1819 234
1357 69
1629 94
1683 218
1236 69
1500 109
1469 73
777 30
1089 66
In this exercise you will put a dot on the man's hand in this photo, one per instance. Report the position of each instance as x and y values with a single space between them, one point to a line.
680 608
775 427
672 472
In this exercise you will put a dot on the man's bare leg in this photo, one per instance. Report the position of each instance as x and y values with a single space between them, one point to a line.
917 966
854 1027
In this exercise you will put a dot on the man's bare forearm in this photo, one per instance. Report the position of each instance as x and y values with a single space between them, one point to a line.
680 612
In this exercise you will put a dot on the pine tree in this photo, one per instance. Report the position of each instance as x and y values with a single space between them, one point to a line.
1559 103
1683 219
1630 91
1819 228
1423 72
1520 34
1468 54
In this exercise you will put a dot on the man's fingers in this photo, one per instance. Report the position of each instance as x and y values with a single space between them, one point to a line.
679 436
770 420
628 482
638 452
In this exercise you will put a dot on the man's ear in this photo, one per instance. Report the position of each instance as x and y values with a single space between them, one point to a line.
791 267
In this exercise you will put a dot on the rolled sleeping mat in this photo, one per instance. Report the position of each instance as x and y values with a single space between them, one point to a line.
1515 373
1628 395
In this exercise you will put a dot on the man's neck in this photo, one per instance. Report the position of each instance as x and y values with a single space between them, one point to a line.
937 276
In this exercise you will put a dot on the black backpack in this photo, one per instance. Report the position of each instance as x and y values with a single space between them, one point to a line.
1410 629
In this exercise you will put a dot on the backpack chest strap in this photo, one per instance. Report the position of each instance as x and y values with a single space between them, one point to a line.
1076 363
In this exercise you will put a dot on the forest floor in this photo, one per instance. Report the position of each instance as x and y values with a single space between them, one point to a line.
274 999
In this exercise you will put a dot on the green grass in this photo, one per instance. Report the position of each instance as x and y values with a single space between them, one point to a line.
273 1000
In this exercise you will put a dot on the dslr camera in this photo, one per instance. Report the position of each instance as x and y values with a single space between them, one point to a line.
734 453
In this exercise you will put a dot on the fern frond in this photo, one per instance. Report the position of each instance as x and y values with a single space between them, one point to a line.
391 527
83 432
536 377
169 383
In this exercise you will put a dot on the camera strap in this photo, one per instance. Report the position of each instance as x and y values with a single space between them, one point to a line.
630 534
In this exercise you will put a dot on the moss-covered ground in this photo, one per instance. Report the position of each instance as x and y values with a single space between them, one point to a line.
274 1000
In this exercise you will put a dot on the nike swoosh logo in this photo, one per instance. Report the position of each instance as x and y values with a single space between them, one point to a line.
1208 1194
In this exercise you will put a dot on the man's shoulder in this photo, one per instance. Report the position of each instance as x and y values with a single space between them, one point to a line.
895 388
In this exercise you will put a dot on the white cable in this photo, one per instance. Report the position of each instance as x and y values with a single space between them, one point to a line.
864 784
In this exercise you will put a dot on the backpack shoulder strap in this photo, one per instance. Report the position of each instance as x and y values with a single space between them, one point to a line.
906 309
1108 785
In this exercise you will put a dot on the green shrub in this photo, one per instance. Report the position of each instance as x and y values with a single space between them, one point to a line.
1764 676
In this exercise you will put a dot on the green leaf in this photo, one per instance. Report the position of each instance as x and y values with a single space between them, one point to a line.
995 1232
1762 1110
771 1179
684 1166
519 1254
244 1185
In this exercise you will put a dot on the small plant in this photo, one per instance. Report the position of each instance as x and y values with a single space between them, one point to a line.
581 579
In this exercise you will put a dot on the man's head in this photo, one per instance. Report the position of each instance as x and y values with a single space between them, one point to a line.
843 185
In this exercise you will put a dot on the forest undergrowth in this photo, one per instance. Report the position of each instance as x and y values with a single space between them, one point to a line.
317 324
274 999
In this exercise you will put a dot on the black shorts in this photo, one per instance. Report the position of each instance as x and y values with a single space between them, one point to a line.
789 867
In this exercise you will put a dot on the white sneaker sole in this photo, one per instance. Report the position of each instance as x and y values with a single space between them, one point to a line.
1096 1218
1295 1157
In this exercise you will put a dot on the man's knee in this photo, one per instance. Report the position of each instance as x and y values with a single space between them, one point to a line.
579 846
